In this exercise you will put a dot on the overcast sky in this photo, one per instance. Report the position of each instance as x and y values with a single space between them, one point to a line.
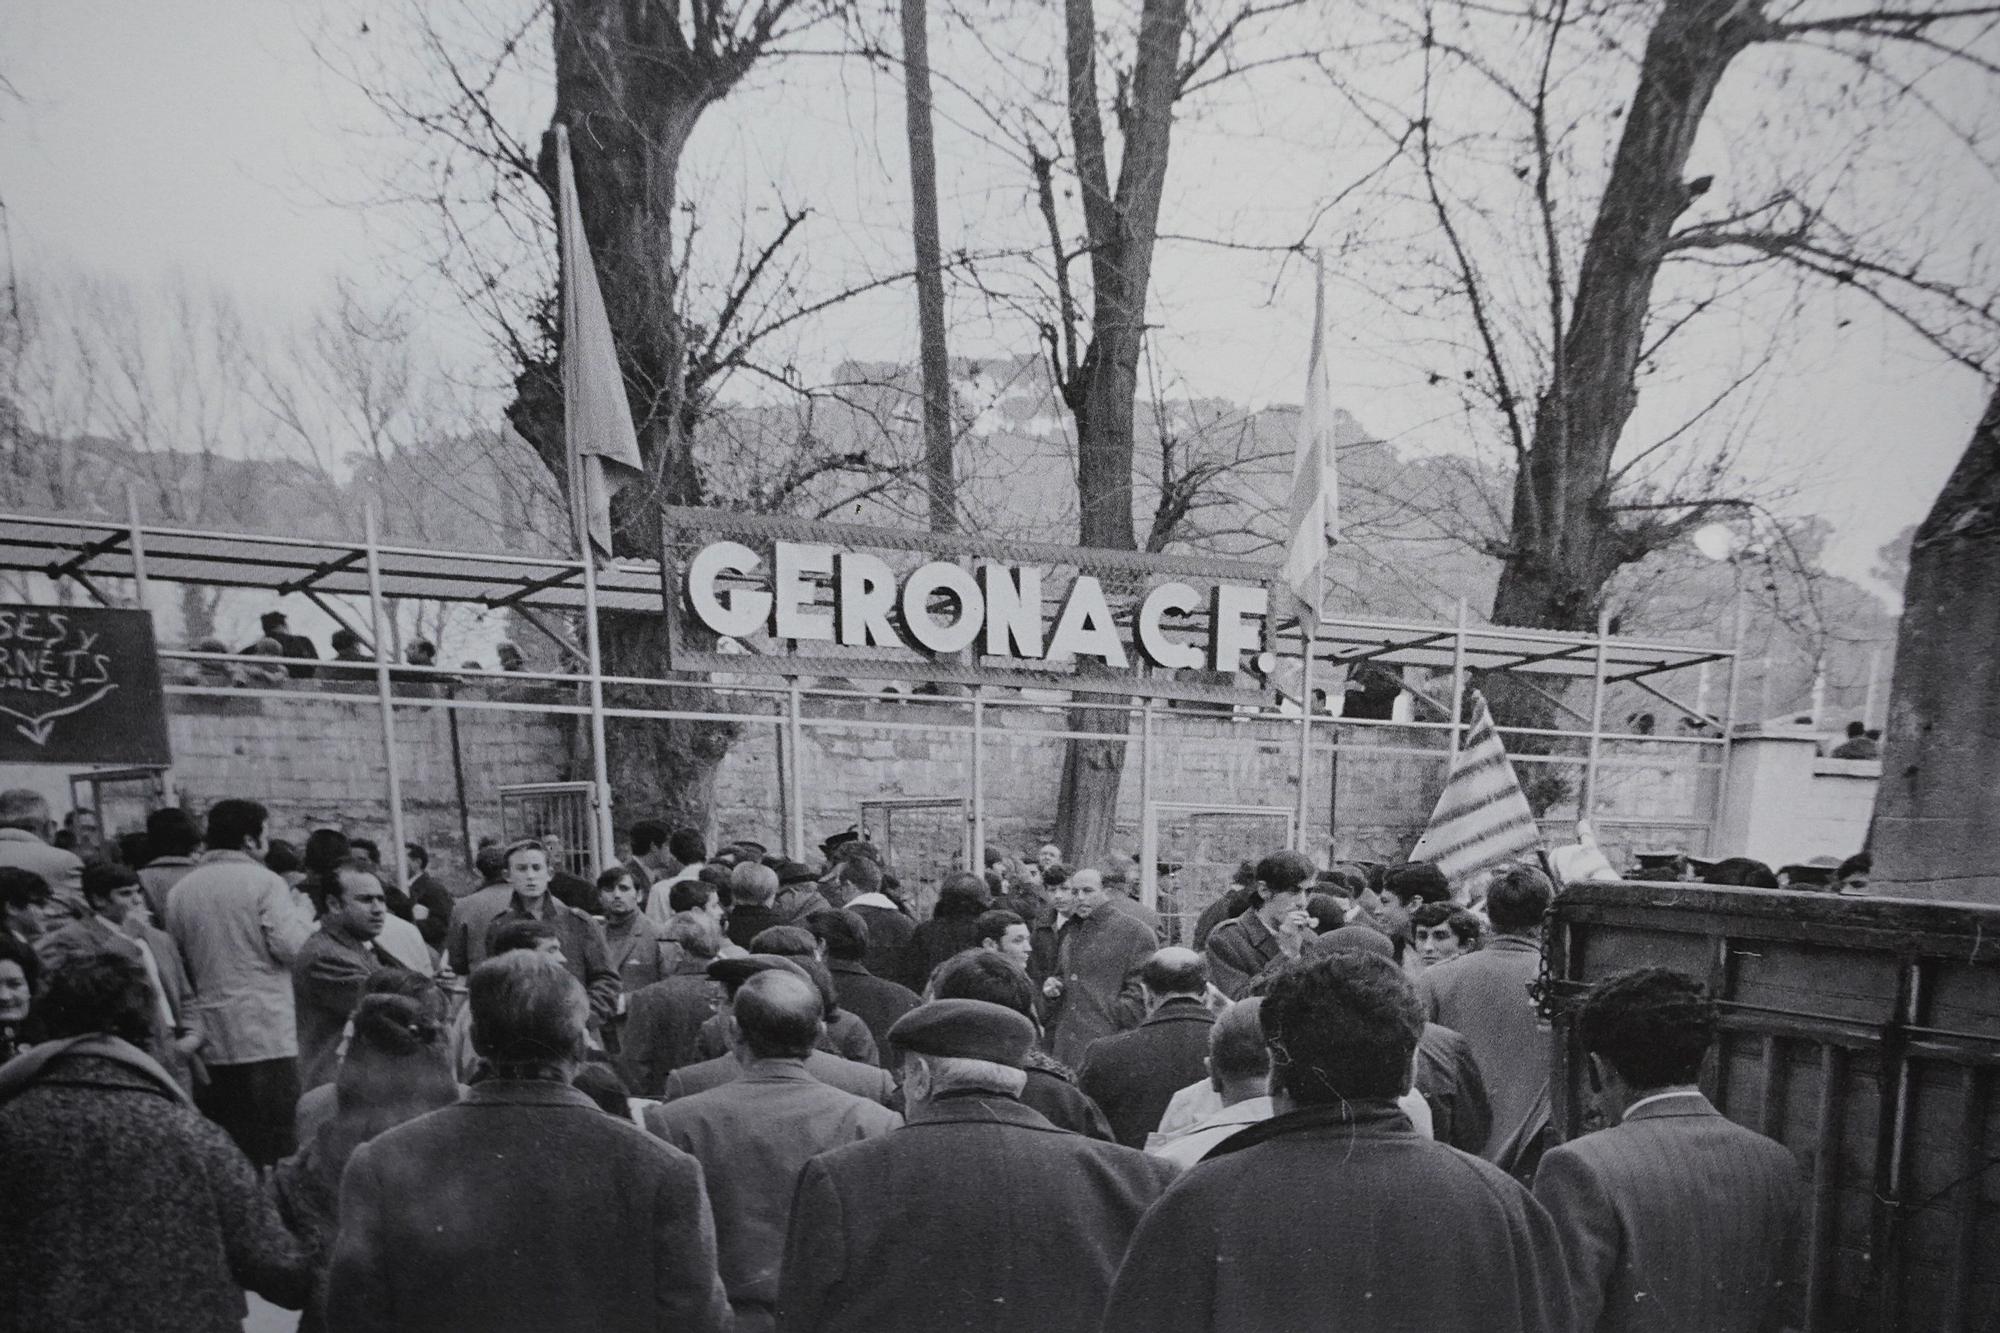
202 138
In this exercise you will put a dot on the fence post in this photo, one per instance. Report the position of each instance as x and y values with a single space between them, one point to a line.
977 861
1584 806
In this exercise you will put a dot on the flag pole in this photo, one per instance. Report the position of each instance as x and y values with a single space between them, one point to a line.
607 850
1306 629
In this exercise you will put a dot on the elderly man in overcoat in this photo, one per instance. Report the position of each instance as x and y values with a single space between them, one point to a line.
1323 1215
978 1216
1133 1075
524 1206
1095 989
754 1134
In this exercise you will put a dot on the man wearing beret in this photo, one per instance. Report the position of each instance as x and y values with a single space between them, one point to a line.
932 1226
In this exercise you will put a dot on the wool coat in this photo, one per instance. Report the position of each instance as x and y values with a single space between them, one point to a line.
978 1216
753 1136
1677 1218
1484 997
1448 1077
1238 950
662 1024
1323 1217
1133 1075
93 934
889 931
1098 962
121 1208
328 978
523 1208
847 1075
876 1001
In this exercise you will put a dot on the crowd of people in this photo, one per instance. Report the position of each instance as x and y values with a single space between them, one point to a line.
716 1087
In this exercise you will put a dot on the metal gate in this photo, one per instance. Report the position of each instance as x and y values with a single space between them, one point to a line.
922 841
562 812
121 798
1189 854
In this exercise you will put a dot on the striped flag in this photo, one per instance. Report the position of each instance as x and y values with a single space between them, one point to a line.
597 419
1315 505
1482 818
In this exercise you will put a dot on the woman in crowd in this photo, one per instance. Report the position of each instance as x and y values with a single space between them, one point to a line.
19 972
395 1069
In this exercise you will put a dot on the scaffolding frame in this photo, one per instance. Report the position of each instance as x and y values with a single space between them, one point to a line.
89 552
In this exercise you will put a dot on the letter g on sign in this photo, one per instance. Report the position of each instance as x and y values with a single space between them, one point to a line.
731 614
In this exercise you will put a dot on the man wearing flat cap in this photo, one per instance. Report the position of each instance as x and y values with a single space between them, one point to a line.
933 1225
847 1075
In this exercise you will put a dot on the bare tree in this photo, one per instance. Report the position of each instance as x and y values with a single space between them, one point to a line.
934 359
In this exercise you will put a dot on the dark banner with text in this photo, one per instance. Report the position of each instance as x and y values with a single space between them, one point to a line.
80 685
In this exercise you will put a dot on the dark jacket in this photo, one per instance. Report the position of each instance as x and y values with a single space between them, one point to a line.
1238 950
1133 1075
584 950
121 1208
1098 962
662 1023
953 926
861 1080
1677 1218
1448 1077
428 892
1044 944
523 1207
574 890
328 977
1052 1090
749 920
889 931
978 1216
1323 1218
1226 908
876 1001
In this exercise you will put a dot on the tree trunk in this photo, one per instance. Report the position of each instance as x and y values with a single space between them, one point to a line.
1100 392
1937 813
1564 542
631 89
933 359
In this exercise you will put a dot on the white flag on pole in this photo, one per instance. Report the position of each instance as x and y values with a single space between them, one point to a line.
597 419
1481 819
1315 501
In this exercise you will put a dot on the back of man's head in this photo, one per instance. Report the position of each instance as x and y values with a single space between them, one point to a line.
171 831
234 823
1236 1050
1342 1028
98 993
24 808
523 935
844 933
1856 730
753 884
1741 872
993 924
686 846
689 894
21 889
528 1013
1415 882
491 863
786 942
778 1015
981 974
1651 1024
646 835
862 874
1174 971
1518 898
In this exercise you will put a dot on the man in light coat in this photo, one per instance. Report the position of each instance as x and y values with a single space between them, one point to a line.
1674 1217
239 928
754 1134
25 830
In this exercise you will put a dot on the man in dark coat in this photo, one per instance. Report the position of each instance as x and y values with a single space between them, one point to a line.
121 1208
333 968
889 926
1275 925
755 1133
978 1215
1674 1217
954 925
851 1076
569 888
663 1020
982 974
429 899
876 1001
1095 991
1484 996
524 1206
752 889
1133 1075
585 953
1322 1215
